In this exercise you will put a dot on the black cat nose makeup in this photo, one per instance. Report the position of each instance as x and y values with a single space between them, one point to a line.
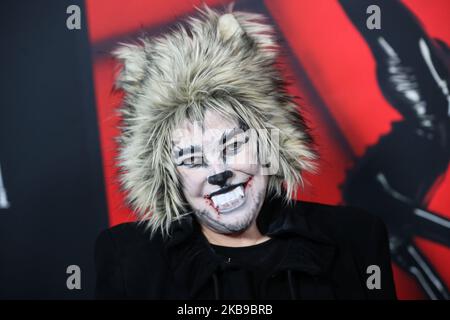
221 178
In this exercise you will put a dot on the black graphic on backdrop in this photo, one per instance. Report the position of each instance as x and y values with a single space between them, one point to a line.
395 175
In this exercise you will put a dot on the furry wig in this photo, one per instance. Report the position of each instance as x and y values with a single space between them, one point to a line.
223 62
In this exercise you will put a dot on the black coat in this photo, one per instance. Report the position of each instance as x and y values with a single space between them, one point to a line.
329 249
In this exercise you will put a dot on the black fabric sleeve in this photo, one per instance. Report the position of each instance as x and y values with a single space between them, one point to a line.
109 281
378 254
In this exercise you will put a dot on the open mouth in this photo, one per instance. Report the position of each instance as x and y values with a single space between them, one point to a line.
229 197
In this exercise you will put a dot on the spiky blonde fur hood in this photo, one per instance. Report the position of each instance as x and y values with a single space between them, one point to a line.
222 62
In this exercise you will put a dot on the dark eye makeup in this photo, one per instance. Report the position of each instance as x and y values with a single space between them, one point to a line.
230 149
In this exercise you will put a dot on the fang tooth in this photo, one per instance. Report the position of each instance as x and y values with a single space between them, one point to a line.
229 200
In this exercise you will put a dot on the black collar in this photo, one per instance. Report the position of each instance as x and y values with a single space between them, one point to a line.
193 261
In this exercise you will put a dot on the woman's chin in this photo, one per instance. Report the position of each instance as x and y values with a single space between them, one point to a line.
232 218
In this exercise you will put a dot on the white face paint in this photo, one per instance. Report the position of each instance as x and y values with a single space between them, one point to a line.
220 174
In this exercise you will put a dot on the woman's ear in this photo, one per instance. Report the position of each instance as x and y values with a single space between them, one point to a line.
133 59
